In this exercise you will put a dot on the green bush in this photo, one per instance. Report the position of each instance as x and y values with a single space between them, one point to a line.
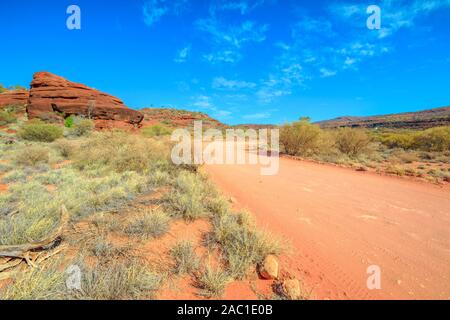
156 131
7 117
352 142
80 126
434 139
37 130
404 140
301 138
68 123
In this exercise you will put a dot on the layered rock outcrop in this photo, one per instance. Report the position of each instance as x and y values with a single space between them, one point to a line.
14 98
52 96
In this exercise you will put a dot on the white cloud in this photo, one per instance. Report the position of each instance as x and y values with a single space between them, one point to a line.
243 6
326 73
234 36
224 84
203 101
349 61
227 40
257 116
183 54
154 10
222 113
229 56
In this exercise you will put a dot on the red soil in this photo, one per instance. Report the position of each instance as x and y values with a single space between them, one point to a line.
340 222
3 188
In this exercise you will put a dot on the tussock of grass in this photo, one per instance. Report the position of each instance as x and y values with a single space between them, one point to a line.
105 251
212 282
154 224
37 214
37 284
242 245
188 196
121 152
118 281
186 261
38 209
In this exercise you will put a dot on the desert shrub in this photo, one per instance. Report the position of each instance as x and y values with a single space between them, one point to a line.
37 130
65 148
301 138
32 155
68 122
81 127
212 282
188 196
160 178
407 157
404 140
395 169
153 224
186 261
2 88
434 139
15 176
121 152
156 131
7 117
352 142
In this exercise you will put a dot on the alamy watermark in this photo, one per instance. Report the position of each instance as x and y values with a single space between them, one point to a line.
374 279
73 22
231 146
374 20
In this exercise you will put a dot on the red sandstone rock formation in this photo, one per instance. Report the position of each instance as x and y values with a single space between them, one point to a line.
13 98
51 95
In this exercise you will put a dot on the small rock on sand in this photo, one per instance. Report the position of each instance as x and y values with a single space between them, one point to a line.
291 289
269 268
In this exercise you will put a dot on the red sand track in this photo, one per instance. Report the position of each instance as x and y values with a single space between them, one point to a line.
340 222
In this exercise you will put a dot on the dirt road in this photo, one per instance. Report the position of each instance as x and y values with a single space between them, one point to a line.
340 222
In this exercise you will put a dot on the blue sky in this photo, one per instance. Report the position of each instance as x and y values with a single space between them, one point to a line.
241 61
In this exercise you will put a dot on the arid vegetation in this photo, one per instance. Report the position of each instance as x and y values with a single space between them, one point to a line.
123 195
419 153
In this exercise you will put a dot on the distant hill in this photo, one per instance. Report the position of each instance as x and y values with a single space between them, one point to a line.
409 120
175 118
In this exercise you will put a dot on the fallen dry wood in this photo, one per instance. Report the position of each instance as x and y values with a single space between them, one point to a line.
10 264
49 242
